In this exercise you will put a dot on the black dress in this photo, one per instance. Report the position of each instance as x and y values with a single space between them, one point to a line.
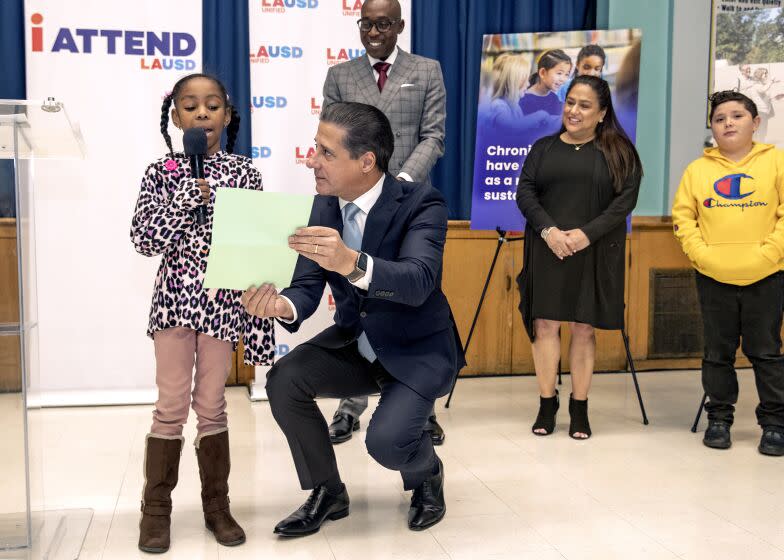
568 188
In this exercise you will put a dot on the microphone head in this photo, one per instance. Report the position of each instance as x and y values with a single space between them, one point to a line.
195 142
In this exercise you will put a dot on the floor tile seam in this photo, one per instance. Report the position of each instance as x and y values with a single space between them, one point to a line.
531 527
646 533
747 531
117 500
483 483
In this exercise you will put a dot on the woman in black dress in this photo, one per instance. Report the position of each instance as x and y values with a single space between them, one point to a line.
576 189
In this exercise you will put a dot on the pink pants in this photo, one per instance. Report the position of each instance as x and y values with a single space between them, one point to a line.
176 351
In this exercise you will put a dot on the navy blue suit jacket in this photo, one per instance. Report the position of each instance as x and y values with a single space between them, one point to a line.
404 313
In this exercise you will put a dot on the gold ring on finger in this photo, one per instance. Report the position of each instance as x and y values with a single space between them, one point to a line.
315 250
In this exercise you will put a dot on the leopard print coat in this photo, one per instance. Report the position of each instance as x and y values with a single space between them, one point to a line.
164 224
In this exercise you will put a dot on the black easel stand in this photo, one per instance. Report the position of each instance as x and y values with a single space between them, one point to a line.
699 413
501 240
630 361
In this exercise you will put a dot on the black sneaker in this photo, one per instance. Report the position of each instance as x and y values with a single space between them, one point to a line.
717 435
772 442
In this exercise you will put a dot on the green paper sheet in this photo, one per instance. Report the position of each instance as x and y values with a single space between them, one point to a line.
250 231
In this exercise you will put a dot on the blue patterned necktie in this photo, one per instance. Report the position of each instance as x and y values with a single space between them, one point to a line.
352 237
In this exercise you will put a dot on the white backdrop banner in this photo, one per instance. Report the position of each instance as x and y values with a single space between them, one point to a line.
111 63
292 44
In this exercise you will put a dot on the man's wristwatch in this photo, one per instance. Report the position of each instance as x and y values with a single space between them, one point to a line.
360 268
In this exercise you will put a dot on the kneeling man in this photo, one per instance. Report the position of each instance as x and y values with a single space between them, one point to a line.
379 243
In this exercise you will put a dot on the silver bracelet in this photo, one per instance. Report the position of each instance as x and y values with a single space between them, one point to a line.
545 232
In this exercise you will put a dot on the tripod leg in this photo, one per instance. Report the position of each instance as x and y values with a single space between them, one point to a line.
630 361
560 381
699 413
501 239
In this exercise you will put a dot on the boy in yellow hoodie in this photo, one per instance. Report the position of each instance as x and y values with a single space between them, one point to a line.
728 215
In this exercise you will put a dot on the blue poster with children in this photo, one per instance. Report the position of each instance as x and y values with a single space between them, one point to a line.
524 82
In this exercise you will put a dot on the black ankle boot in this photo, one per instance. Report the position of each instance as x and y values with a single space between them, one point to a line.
545 420
578 411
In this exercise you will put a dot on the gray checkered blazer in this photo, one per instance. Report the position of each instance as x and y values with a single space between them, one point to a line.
414 101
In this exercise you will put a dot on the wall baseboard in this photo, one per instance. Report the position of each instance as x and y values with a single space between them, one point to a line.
99 397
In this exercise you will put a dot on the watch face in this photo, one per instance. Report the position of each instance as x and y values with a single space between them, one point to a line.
359 268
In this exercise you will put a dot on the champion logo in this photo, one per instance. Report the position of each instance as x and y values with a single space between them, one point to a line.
729 186
711 202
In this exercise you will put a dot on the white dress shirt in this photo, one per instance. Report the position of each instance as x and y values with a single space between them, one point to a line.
365 203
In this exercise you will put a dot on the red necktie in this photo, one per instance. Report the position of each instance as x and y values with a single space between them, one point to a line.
381 68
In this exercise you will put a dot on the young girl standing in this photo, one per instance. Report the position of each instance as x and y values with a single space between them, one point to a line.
552 71
590 62
189 327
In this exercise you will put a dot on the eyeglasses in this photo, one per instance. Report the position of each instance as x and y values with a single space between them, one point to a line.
382 25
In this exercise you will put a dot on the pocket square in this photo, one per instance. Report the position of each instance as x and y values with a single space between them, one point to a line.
407 85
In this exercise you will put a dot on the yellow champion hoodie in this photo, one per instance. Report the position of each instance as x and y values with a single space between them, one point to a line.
729 216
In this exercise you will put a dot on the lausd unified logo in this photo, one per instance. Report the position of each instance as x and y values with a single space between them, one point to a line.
729 188
352 8
315 106
280 6
257 152
336 56
267 53
157 50
303 153
268 102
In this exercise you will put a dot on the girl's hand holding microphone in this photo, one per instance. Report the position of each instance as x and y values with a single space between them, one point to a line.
188 197
204 187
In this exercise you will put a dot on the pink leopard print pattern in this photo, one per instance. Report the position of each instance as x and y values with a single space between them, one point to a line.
164 224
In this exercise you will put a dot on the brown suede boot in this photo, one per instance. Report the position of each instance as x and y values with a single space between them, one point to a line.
212 451
161 467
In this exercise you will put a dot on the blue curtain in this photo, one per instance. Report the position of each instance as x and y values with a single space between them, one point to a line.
12 86
451 32
12 49
225 47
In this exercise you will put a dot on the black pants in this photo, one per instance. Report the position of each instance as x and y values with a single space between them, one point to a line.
752 313
395 435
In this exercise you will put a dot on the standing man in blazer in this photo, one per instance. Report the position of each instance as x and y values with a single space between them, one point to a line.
378 242
410 90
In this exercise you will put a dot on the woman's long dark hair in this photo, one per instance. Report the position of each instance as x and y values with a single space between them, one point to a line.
621 155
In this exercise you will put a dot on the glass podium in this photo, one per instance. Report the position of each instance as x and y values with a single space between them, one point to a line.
29 131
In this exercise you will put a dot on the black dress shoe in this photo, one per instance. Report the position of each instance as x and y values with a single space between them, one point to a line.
772 442
427 504
717 435
437 434
342 427
319 507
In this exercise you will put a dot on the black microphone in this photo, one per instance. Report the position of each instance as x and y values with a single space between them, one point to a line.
195 143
